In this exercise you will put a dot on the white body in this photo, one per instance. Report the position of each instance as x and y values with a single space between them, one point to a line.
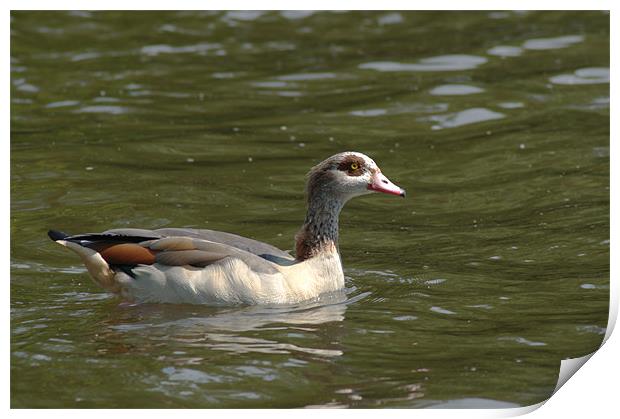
228 282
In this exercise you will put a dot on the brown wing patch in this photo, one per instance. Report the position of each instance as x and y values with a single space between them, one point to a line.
352 164
125 253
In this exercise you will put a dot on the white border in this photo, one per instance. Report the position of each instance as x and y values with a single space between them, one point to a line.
311 5
593 391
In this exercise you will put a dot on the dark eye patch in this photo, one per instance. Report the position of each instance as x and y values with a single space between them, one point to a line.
353 165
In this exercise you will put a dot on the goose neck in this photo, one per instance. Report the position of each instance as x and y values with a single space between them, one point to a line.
320 229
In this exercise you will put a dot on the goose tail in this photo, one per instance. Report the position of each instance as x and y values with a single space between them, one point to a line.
97 267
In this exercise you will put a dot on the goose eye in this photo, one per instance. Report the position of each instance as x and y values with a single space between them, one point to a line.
354 166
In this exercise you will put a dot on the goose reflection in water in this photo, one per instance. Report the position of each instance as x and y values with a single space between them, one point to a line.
258 329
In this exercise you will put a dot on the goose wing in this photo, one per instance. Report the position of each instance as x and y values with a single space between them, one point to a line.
127 248
179 251
263 250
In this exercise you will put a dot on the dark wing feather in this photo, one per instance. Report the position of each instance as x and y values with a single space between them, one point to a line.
176 251
179 246
264 250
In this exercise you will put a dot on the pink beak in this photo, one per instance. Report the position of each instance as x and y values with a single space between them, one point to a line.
379 183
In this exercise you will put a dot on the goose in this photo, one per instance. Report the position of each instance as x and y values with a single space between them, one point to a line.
197 266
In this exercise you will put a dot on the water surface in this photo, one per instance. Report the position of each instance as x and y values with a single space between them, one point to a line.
466 294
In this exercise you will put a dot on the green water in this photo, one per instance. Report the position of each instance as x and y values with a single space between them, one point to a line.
470 291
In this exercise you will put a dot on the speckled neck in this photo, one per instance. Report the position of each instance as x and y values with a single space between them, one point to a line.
320 229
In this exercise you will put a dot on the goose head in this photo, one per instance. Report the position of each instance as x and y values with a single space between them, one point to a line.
347 175
330 185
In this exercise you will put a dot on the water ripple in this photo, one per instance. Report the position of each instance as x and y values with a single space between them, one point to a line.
523 341
296 14
62 104
390 19
191 375
112 110
454 62
505 51
552 43
590 75
511 105
307 76
243 15
271 84
86 56
468 116
202 48
441 310
369 112
401 109
455 90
